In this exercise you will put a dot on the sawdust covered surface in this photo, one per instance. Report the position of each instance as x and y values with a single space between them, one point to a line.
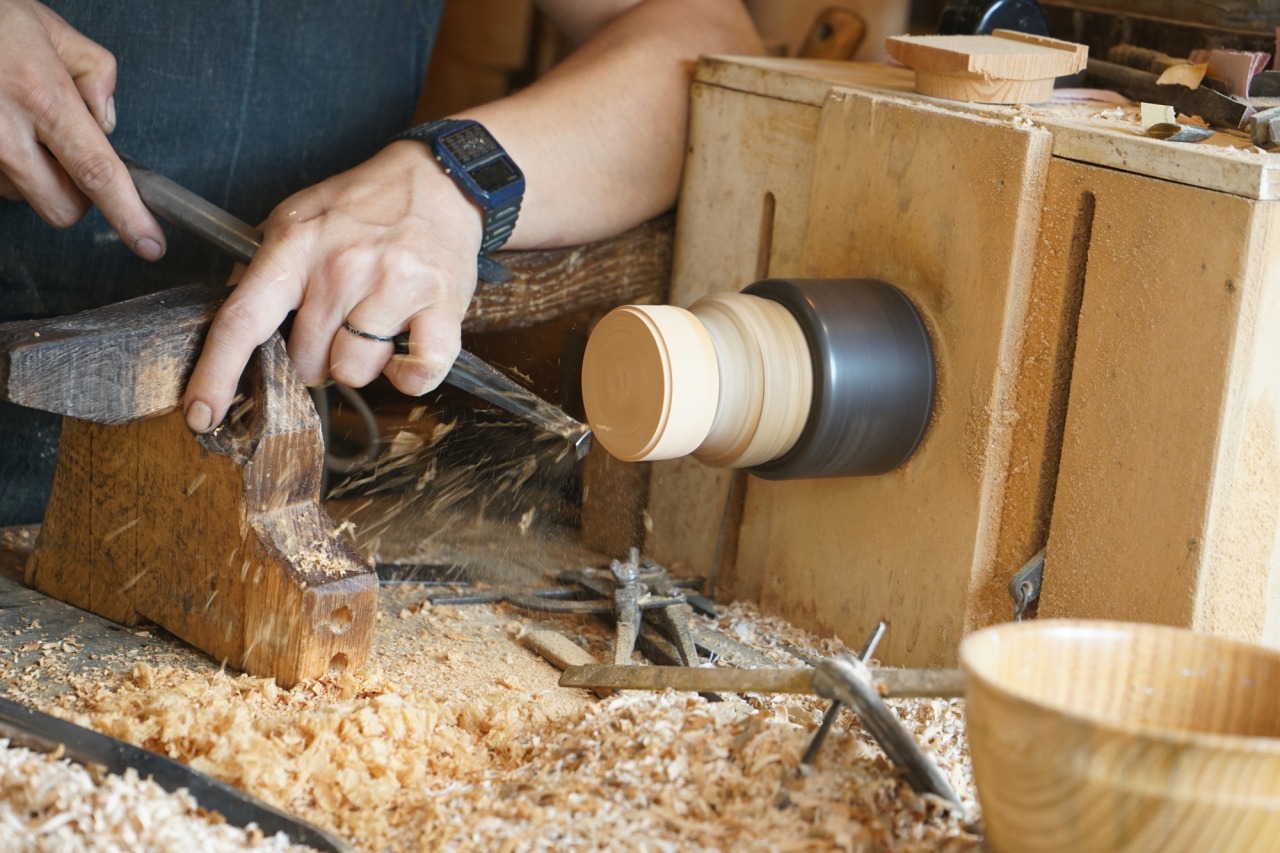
459 738
49 803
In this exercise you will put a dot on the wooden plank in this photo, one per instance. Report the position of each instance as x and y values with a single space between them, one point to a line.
743 215
1003 54
946 206
1226 162
1168 498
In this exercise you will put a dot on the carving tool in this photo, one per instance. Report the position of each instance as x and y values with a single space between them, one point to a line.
241 241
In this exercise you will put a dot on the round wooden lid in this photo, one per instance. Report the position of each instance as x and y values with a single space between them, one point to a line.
650 382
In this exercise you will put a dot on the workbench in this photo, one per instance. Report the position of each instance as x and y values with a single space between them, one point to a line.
1105 313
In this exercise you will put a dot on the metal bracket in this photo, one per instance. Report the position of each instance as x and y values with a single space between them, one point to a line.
1024 586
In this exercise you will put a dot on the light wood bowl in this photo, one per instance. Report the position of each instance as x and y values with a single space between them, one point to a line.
1113 736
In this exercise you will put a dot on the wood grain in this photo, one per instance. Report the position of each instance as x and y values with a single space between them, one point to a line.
744 209
1167 506
1112 736
219 539
945 205
1002 68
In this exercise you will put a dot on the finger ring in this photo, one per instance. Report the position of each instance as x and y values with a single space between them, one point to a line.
368 336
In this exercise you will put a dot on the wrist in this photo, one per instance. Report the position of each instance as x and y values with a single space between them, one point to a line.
414 159
484 173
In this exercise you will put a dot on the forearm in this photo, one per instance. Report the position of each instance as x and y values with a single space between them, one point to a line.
601 138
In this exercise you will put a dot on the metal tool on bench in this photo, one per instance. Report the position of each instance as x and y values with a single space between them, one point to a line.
241 241
632 590
845 679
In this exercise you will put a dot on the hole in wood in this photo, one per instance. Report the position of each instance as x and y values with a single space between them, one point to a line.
338 664
340 620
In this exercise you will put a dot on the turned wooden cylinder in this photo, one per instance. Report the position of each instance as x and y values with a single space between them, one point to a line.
789 378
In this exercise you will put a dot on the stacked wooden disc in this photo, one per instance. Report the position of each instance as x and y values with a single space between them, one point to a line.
729 380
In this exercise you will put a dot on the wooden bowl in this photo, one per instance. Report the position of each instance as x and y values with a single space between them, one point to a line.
1113 736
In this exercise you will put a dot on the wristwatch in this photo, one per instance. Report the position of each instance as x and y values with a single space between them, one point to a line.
487 176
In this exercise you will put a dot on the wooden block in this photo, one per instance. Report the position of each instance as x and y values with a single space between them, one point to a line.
1005 67
219 539
953 223
1168 497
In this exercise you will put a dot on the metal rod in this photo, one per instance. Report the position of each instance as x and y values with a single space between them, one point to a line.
900 683
240 240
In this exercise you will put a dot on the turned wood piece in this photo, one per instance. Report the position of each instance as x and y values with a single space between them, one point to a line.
791 378
1123 736
1005 67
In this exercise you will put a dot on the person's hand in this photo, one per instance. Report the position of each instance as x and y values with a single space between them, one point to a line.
56 107
389 246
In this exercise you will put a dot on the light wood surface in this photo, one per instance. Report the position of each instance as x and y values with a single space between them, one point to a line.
952 222
1002 68
766 380
650 382
1168 506
742 216
1111 736
221 540
1168 498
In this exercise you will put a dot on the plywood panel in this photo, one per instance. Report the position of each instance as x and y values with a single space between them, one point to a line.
743 215
946 206
1168 498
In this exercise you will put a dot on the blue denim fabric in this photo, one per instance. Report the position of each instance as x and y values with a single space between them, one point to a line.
243 101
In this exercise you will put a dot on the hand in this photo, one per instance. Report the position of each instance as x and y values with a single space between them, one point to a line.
56 106
388 246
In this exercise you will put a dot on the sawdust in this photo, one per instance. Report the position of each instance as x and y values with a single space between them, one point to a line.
48 804
462 740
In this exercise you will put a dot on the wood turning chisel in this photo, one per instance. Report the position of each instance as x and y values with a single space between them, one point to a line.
240 240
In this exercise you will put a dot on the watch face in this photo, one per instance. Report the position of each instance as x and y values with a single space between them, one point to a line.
496 175
484 171
470 145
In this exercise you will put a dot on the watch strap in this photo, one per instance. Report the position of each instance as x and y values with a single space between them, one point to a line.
499 221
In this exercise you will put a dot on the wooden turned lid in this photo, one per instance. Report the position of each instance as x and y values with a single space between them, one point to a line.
650 382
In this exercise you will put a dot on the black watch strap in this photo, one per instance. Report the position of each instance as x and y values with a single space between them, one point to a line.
500 217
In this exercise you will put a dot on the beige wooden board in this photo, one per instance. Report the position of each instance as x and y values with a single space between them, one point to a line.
1168 497
743 215
946 206
1226 163
1004 54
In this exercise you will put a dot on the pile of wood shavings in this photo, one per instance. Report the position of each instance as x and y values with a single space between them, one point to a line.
51 804
408 763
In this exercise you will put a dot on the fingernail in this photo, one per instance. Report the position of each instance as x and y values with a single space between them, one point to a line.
199 417
149 249
109 121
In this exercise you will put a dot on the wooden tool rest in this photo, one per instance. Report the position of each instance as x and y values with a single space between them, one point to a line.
220 538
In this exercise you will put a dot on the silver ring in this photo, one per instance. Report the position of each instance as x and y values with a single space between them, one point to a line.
368 336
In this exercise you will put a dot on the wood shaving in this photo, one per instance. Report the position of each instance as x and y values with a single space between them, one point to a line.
50 804
416 756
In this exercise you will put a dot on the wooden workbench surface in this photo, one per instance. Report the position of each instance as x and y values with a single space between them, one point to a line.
458 735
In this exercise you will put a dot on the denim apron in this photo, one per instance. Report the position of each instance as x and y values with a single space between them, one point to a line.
243 101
